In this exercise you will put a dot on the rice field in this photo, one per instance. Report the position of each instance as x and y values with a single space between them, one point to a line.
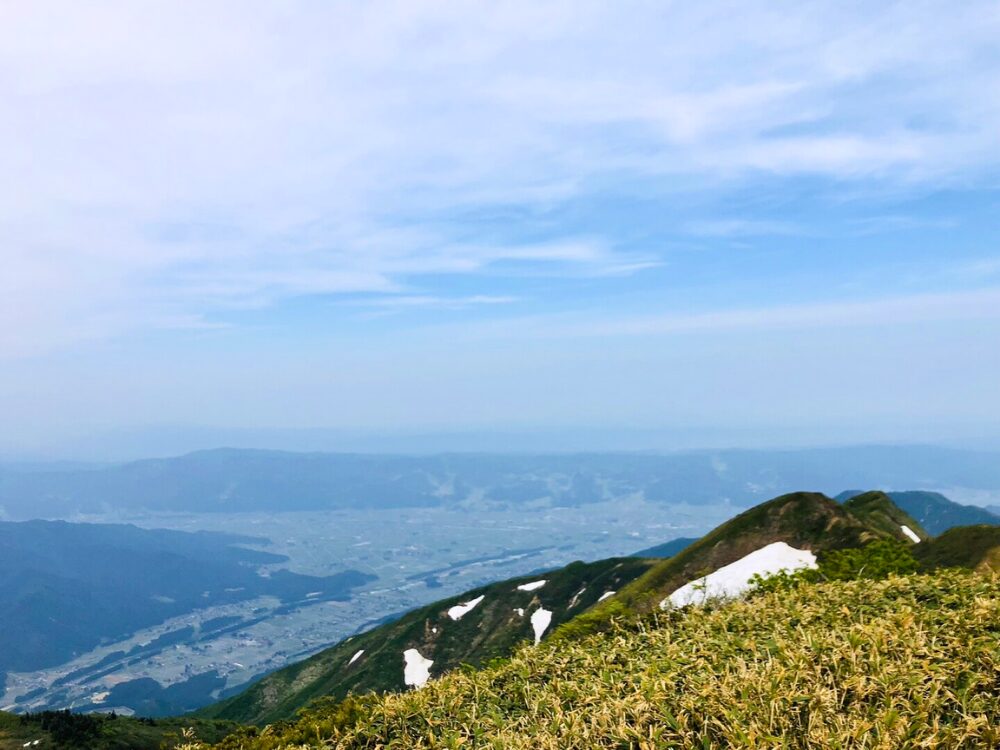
908 662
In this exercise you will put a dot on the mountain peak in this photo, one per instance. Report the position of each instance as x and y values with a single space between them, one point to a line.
878 511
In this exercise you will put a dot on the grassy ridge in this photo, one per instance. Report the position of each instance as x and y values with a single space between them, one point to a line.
62 730
492 629
808 520
911 661
962 547
879 511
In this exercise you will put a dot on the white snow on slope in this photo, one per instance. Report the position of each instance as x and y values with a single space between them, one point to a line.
531 586
605 595
461 610
540 621
520 612
734 579
910 534
355 657
416 669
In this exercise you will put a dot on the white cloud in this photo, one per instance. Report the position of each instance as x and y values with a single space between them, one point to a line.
738 227
164 161
980 304
425 301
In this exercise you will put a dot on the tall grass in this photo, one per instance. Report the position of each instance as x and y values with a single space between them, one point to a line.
908 662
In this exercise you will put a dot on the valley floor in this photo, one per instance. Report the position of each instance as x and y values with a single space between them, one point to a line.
420 555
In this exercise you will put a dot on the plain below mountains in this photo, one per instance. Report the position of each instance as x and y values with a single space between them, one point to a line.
228 480
67 587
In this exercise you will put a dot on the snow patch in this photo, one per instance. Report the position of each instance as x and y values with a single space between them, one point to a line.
416 669
520 612
910 534
734 579
540 620
576 598
461 610
533 586
100 697
605 595
355 657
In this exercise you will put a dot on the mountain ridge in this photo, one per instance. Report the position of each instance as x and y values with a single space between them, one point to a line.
805 520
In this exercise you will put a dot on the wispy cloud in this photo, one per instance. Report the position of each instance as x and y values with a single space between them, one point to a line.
166 161
427 302
741 227
980 304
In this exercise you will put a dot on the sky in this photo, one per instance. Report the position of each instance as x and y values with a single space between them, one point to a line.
768 223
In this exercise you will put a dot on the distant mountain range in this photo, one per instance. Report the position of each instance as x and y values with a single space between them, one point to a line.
253 480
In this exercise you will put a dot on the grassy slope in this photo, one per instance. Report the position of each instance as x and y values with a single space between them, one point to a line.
806 520
934 511
907 662
108 733
490 630
493 629
879 511
963 546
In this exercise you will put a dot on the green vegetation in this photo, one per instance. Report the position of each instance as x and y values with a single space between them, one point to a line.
875 561
802 519
63 730
908 661
865 651
934 511
962 547
879 511
492 629
861 540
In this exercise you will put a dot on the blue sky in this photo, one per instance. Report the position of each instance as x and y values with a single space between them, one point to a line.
777 224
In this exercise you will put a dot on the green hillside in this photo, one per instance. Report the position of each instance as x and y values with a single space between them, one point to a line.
910 661
804 520
374 661
972 547
61 730
878 511
578 597
932 510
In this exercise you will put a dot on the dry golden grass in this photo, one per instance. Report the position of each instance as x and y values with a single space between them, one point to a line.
910 662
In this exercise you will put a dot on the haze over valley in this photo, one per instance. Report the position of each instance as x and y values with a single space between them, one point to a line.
293 552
